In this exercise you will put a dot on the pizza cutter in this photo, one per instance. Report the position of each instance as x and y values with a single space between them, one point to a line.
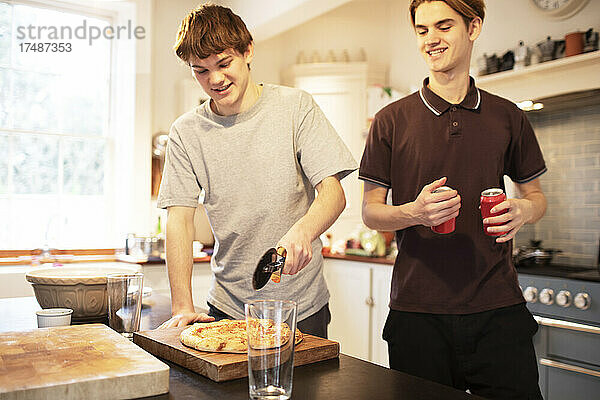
269 267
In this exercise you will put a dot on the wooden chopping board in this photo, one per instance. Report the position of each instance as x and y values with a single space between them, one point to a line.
220 367
77 362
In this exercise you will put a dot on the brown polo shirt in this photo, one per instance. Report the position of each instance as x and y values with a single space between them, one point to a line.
421 138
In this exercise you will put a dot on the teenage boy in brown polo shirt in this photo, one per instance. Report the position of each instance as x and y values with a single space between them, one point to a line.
457 315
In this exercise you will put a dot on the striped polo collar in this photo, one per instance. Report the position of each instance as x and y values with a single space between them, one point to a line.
438 106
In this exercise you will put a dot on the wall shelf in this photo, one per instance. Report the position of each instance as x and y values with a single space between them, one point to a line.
375 73
551 78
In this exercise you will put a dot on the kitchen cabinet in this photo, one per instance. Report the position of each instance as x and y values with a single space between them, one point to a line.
156 277
340 90
349 285
380 292
201 281
359 306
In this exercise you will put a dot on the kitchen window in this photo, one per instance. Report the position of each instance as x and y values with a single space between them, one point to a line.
57 141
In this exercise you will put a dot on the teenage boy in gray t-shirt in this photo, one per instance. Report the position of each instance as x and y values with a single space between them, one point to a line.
258 152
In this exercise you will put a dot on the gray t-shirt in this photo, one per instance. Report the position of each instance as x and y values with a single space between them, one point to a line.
258 170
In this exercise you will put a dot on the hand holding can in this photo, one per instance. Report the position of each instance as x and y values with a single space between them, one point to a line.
448 226
489 199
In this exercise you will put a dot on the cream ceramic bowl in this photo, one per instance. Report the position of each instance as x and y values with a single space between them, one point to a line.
80 288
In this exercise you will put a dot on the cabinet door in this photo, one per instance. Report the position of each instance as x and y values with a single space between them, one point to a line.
566 384
342 99
382 279
349 285
201 281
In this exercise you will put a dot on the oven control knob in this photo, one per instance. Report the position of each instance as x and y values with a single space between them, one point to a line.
582 301
563 298
547 296
530 294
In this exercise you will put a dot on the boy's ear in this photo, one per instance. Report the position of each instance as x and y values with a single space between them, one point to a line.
475 28
249 53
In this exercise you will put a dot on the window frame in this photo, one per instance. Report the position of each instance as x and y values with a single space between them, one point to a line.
119 170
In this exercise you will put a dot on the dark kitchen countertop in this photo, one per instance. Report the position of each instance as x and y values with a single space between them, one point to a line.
343 378
583 273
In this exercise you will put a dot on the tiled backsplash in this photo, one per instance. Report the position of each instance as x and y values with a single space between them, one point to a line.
570 141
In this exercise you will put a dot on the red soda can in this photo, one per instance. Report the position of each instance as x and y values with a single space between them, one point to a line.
489 199
448 226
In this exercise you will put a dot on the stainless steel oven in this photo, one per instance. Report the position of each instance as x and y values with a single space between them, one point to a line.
566 304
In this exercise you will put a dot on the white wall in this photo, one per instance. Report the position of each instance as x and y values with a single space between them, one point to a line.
352 26
355 25
267 18
167 70
383 28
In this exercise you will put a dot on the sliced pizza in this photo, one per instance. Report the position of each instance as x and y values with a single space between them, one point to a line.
229 336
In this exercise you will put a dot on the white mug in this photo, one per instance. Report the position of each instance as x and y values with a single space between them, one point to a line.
54 317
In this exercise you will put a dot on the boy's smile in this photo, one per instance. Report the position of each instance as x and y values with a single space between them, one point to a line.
223 88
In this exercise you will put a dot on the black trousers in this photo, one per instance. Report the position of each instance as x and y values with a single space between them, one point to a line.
490 353
315 325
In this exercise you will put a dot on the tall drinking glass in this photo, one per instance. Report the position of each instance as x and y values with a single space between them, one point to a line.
125 302
271 328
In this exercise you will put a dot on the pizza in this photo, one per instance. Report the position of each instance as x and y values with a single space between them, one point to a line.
229 336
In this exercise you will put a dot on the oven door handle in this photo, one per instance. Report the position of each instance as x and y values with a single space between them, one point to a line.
568 367
573 326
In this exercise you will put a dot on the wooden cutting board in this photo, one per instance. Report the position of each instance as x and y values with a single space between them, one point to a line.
220 367
77 362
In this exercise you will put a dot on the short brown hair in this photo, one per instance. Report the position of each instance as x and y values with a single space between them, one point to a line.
211 29
468 9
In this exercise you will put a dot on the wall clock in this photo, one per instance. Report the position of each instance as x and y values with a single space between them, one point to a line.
558 9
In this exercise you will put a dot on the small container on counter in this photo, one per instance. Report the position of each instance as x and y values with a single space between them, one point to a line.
54 317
